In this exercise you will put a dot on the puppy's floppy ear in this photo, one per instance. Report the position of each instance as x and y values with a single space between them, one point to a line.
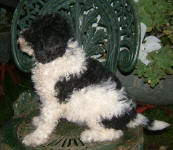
25 47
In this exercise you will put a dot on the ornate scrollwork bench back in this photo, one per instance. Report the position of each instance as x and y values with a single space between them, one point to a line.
105 28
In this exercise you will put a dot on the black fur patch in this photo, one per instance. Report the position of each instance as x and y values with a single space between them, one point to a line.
48 36
119 123
149 123
95 74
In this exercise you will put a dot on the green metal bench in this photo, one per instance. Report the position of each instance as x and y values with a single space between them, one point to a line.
106 26
106 29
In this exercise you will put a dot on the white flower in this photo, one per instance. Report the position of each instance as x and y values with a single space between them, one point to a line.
149 44
152 43
136 1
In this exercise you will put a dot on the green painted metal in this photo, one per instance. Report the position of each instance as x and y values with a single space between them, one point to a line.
130 37
65 137
106 27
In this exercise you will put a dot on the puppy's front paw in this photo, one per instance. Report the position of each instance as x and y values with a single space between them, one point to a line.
36 121
33 140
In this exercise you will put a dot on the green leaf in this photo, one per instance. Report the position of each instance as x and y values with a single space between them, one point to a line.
161 65
155 12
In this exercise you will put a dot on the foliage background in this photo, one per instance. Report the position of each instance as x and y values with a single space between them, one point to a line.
158 16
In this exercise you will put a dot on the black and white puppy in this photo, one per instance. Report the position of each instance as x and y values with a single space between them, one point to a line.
75 87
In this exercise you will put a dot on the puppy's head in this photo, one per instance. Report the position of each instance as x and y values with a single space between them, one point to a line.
46 38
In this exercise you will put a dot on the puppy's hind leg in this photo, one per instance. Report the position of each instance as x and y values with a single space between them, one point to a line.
47 121
98 133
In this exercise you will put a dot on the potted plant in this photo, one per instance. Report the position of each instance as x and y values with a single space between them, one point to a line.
152 79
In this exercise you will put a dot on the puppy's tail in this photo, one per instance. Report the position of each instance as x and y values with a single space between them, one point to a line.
154 125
